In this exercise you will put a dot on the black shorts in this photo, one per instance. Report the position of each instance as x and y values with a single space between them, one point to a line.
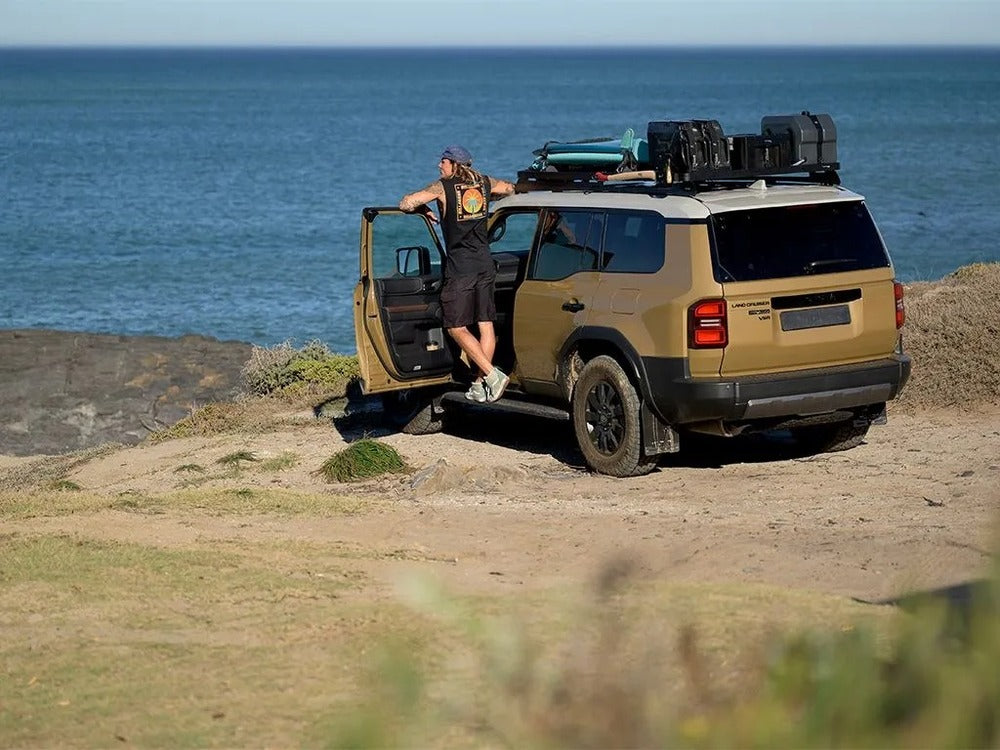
468 299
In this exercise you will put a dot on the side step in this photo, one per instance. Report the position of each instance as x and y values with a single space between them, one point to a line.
511 403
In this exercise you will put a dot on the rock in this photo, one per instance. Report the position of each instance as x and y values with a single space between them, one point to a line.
68 391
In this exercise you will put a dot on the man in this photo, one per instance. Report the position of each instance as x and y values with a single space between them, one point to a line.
462 196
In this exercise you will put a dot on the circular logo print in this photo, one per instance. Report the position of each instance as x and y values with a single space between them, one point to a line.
472 201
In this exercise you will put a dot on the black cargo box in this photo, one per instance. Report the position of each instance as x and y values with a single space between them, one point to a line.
681 150
813 137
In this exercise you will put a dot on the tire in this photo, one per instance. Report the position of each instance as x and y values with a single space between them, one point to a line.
830 438
414 411
606 420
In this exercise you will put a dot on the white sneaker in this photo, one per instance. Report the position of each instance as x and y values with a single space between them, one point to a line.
496 383
476 392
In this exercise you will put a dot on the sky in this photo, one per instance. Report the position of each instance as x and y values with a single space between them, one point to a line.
469 23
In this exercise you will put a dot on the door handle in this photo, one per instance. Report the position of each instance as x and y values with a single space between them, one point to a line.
573 306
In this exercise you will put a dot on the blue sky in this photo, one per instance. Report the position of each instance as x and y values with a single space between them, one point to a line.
499 22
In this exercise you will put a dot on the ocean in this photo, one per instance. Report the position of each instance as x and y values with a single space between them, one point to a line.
219 191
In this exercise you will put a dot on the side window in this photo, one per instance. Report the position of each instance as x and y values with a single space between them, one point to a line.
634 243
513 232
570 241
402 245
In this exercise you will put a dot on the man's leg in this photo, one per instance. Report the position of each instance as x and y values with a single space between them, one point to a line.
472 348
487 341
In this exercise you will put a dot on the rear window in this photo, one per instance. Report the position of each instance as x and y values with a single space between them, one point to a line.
772 243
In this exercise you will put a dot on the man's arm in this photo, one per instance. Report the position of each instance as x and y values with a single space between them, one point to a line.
433 192
500 187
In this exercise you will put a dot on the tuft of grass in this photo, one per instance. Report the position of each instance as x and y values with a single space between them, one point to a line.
135 502
284 460
361 460
190 468
235 460
284 370
42 472
65 485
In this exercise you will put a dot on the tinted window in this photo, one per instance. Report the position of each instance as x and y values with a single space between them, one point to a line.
512 233
773 243
570 241
633 243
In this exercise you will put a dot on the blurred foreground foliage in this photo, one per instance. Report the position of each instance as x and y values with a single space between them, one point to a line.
931 680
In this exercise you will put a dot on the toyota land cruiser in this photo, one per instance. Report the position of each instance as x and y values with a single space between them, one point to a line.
711 284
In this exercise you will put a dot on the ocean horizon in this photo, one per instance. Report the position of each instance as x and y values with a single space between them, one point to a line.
218 190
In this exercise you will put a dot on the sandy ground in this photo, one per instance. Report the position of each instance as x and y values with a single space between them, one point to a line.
486 509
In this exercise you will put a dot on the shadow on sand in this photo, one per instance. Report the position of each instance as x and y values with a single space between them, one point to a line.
363 417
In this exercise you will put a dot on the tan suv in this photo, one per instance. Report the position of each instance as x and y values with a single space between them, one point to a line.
747 300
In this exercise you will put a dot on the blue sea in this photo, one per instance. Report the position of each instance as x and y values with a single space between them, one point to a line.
218 192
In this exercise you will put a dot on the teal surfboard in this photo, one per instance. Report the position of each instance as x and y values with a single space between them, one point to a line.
602 152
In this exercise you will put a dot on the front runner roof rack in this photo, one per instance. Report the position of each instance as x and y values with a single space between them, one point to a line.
692 153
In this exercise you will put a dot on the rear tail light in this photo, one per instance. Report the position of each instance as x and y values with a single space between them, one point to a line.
707 324
897 291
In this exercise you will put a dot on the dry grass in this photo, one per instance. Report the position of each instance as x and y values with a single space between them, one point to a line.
952 332
251 416
50 471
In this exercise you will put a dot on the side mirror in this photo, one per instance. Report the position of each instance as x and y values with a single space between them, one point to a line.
414 260
498 230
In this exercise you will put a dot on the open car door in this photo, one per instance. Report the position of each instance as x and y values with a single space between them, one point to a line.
397 303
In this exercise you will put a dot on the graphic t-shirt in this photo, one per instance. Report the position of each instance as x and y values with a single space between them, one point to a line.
464 227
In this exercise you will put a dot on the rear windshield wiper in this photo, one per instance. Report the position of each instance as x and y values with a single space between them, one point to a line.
817 265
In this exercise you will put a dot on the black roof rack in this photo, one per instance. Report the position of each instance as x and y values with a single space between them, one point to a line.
529 180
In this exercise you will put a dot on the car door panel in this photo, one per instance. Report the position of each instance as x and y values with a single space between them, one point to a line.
400 340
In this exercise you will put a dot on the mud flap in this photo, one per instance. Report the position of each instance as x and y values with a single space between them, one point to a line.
657 437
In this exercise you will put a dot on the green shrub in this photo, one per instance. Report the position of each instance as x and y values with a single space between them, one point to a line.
360 460
284 370
933 681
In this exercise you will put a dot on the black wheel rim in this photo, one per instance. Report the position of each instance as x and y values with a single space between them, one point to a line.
605 416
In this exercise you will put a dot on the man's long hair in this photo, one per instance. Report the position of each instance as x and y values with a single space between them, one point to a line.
467 174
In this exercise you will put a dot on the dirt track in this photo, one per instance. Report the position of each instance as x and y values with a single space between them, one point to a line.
913 508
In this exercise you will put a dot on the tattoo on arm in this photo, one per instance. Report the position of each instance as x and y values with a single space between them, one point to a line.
434 191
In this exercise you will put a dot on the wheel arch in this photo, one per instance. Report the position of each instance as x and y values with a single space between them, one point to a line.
588 342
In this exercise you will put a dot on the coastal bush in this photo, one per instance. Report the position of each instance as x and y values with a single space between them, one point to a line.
283 370
952 332
929 680
361 460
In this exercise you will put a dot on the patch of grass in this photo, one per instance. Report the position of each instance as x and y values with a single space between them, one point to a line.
65 485
44 471
275 500
281 462
190 468
108 643
253 417
951 334
136 502
362 460
286 371
235 460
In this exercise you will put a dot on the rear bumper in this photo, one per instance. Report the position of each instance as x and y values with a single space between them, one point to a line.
680 399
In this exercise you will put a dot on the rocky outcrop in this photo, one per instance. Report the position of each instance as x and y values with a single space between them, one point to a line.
61 391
